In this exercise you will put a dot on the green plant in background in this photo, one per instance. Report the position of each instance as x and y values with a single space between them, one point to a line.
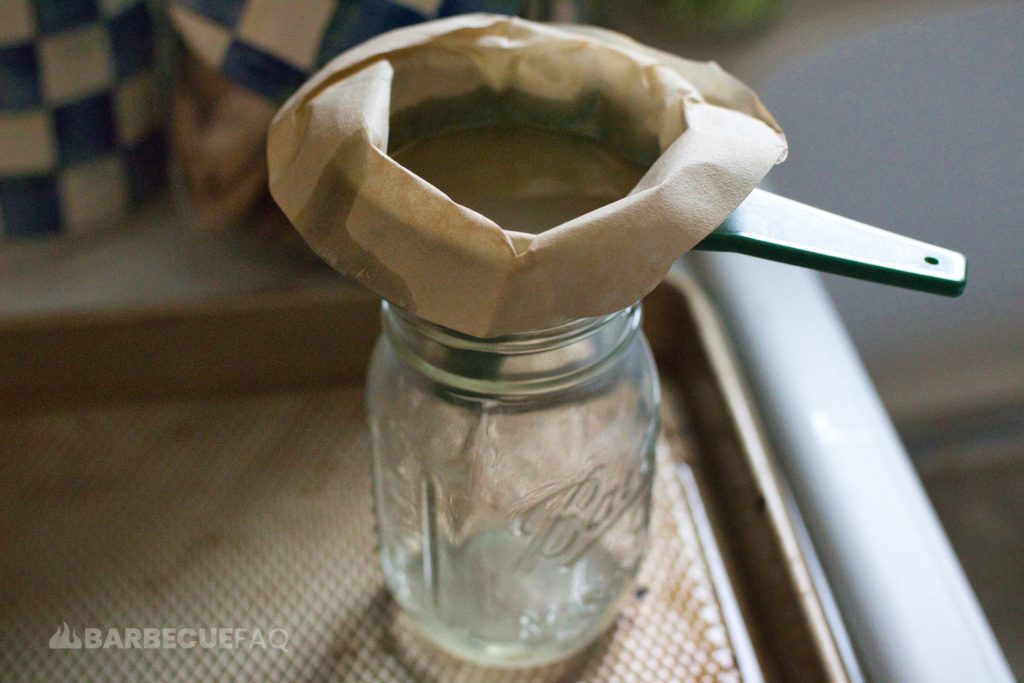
720 15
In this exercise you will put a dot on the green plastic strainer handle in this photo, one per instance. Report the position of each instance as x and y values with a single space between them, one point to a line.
772 227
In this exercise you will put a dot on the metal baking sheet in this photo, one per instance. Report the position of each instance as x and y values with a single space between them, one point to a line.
232 493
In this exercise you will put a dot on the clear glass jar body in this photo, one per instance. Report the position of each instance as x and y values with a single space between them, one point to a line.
512 480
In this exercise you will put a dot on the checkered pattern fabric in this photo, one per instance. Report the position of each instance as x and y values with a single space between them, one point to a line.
80 134
271 47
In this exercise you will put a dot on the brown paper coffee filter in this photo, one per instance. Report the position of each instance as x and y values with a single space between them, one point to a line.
603 160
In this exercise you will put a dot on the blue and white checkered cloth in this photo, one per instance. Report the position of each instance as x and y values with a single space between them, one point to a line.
272 46
80 133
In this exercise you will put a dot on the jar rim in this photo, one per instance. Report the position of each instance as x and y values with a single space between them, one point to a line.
516 343
468 364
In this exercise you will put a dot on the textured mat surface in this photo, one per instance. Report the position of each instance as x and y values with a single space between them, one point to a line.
254 513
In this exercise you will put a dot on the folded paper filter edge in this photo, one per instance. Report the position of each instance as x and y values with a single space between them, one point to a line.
288 132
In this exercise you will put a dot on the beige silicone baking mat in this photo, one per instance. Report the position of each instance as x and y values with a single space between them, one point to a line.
193 518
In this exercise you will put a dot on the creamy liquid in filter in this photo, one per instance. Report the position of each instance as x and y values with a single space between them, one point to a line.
524 179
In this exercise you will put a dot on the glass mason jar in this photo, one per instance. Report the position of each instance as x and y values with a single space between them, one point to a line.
512 480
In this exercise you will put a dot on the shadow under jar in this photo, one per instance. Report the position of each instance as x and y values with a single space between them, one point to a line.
512 480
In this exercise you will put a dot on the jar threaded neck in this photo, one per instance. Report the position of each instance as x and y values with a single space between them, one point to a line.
522 363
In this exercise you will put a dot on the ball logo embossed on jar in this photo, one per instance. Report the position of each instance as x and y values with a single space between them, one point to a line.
564 520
